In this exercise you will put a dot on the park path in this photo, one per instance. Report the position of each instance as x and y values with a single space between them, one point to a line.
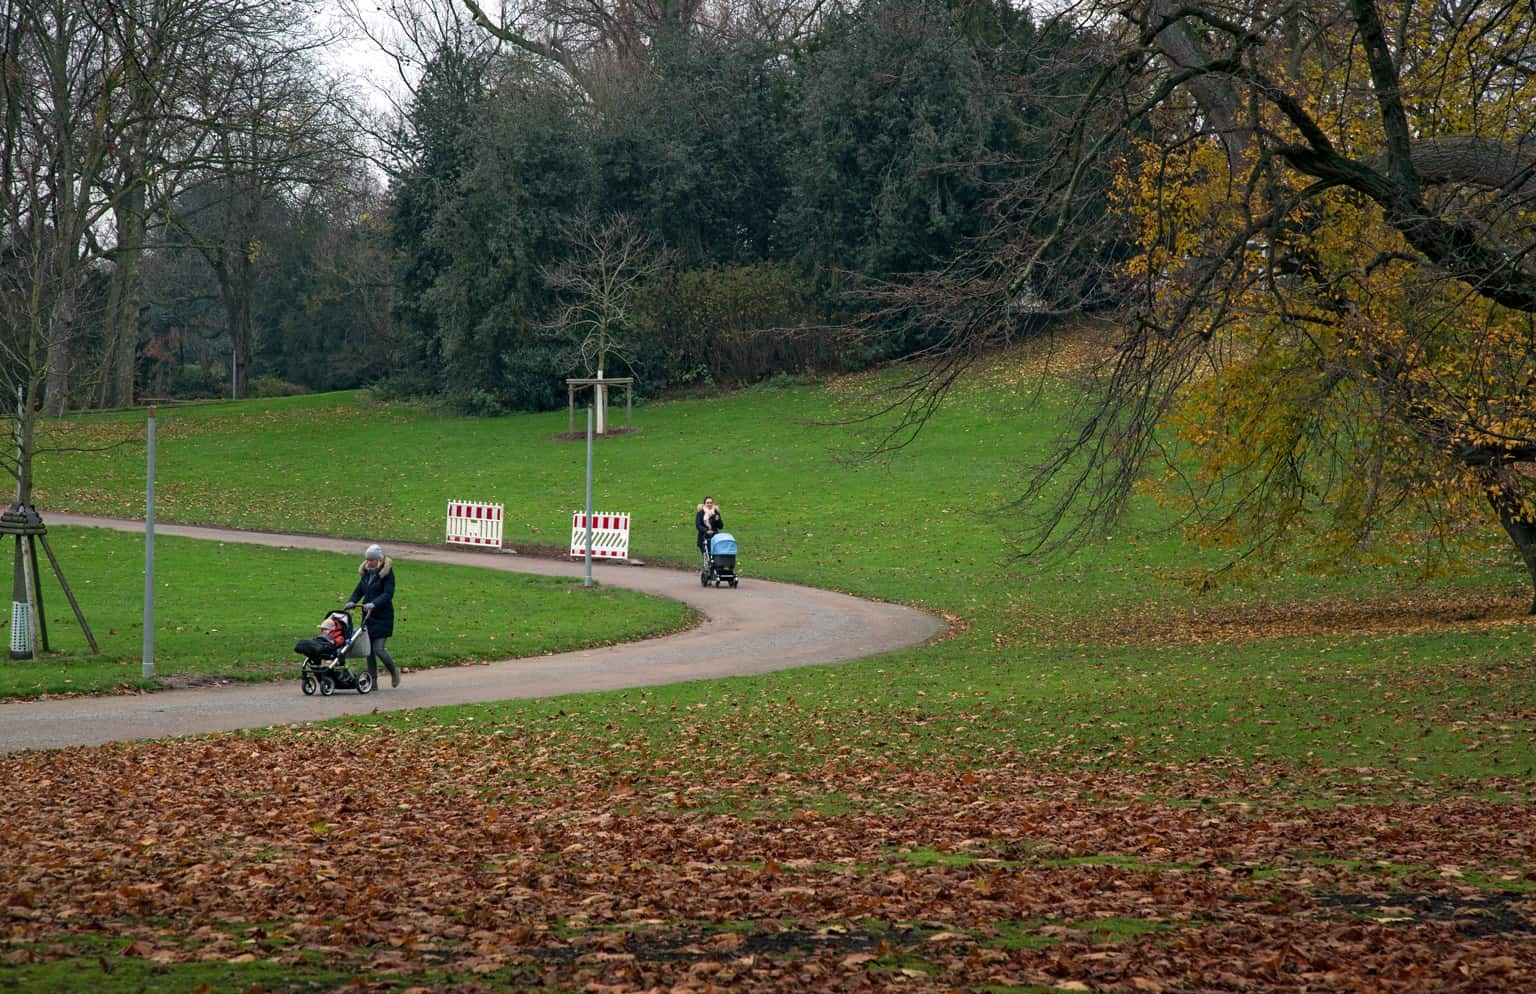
759 627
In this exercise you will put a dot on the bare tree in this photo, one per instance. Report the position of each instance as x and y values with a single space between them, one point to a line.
593 43
55 145
56 150
612 261
161 53
273 127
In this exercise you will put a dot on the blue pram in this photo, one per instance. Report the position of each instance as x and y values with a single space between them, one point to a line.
719 560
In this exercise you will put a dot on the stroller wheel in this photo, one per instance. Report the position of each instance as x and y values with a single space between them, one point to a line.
733 584
704 579
364 682
309 684
327 685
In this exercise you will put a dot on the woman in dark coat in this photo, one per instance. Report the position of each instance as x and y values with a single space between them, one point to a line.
375 591
707 521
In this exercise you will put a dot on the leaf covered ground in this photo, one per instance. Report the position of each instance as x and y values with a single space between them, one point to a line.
1325 618
537 855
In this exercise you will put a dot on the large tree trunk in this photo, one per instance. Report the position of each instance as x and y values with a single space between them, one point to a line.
236 296
126 300
1505 490
60 340
1182 44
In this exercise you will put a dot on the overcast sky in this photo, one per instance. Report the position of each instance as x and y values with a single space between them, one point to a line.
360 60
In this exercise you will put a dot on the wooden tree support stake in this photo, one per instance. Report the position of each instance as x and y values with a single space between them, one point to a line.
27 525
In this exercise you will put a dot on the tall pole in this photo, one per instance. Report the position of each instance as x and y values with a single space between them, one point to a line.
149 551
588 581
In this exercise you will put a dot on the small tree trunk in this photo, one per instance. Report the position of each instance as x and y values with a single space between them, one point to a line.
26 424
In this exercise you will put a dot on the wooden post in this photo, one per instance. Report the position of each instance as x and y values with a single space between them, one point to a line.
39 633
600 386
69 594
21 606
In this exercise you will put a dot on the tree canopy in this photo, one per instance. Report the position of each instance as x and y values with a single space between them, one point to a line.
781 154
1330 211
1314 226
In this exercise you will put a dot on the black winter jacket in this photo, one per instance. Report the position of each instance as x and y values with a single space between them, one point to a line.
377 587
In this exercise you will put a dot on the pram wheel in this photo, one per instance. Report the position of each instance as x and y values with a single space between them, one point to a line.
309 684
733 584
364 682
327 685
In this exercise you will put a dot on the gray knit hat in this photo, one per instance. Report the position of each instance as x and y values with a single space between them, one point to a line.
373 552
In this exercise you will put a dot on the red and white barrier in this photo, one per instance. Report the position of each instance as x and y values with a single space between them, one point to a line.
610 535
474 524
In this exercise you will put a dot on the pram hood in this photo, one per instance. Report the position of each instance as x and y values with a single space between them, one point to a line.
355 634
722 544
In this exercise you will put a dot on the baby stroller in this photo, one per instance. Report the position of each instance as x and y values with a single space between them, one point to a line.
325 662
719 560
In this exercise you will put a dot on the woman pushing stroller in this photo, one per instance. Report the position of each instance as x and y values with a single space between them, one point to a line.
707 521
375 591
716 545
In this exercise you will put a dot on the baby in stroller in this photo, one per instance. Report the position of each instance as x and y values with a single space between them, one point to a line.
325 663
322 648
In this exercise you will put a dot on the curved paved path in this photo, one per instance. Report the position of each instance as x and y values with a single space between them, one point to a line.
758 627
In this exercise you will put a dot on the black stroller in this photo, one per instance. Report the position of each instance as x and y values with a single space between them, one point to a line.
719 560
325 662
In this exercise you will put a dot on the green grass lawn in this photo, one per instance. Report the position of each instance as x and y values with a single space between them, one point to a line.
1102 779
1039 661
234 611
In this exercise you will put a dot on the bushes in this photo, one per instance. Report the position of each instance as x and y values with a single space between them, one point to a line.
190 381
274 386
733 325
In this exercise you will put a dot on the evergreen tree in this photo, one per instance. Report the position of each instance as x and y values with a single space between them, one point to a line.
894 115
499 170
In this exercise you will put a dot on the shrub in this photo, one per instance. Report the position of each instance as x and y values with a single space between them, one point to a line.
274 386
194 382
736 325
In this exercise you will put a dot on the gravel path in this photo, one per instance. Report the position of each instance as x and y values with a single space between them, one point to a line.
759 627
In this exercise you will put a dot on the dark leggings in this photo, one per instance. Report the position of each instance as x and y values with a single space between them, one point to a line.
376 651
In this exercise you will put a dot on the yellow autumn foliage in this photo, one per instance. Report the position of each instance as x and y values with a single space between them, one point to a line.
1348 391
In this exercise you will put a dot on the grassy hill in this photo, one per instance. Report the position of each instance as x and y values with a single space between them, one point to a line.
1356 669
1100 780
